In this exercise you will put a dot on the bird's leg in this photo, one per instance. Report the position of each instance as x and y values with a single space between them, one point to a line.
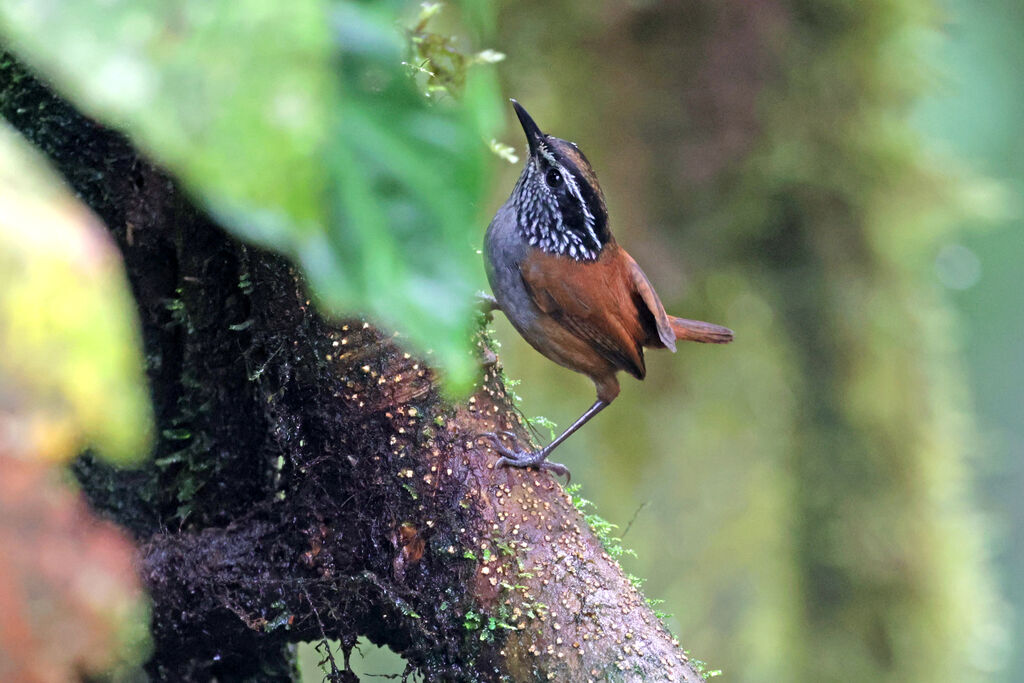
539 459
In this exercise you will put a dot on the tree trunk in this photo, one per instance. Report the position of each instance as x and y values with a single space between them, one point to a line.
311 482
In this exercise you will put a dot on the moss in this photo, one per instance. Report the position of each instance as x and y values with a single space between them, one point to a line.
601 527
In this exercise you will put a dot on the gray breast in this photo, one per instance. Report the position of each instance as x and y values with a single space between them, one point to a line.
504 249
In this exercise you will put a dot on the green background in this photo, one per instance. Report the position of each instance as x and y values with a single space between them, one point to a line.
976 114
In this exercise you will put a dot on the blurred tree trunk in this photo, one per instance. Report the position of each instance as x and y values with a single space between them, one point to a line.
310 482
760 149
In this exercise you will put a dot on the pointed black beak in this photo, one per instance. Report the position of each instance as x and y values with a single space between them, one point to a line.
533 134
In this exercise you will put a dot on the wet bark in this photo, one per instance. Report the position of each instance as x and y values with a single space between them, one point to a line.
311 482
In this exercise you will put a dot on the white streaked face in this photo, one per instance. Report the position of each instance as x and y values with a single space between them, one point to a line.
558 209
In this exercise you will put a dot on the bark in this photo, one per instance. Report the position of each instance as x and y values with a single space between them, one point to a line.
311 482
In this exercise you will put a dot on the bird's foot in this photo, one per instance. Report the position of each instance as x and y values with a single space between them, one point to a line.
538 459
523 458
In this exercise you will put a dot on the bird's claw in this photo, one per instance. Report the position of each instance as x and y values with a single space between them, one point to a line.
522 459
538 460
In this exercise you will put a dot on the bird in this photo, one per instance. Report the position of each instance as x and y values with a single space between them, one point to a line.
568 288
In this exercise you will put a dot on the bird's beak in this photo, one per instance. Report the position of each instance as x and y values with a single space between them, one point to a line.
533 134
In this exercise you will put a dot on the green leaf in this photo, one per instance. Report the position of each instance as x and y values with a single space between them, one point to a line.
299 127
71 371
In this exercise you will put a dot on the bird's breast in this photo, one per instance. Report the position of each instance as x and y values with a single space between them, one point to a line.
504 250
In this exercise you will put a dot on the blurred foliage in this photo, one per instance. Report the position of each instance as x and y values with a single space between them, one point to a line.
810 517
975 113
299 128
70 375
71 368
70 601
438 62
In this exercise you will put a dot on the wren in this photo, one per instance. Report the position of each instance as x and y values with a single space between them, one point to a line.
568 288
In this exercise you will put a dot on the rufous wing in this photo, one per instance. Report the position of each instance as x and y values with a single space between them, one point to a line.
593 301
649 298
670 328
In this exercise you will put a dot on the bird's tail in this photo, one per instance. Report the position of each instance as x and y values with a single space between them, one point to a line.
698 331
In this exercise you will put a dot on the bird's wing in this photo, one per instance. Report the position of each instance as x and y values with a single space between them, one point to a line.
668 327
594 301
649 298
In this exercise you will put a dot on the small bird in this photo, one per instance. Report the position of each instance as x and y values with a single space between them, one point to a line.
568 288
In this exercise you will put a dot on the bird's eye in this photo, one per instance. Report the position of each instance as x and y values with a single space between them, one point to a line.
553 177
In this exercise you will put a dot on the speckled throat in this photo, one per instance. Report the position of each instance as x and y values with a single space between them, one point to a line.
568 218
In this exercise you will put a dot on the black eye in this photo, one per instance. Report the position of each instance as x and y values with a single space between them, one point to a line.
553 177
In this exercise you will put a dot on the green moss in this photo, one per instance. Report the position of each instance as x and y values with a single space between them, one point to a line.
601 527
701 667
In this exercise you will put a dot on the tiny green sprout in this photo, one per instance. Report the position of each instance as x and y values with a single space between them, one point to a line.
168 460
245 282
436 62
663 617
471 621
541 421
283 618
601 527
469 555
701 667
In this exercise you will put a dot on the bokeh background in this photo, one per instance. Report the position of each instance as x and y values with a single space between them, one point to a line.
837 495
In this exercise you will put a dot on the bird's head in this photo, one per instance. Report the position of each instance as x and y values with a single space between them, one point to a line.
559 205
